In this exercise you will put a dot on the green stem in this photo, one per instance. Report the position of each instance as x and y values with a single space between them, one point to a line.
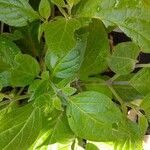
110 81
142 66
63 12
123 106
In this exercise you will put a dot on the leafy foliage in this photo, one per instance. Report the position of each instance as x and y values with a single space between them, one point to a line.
63 84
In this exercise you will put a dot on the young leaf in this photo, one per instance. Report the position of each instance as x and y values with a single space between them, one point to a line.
20 128
123 59
57 104
59 35
45 9
68 65
17 13
99 118
131 21
140 81
26 69
97 50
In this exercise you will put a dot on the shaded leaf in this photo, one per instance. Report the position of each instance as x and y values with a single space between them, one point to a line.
97 50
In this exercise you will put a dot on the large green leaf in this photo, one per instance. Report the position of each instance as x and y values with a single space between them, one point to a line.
25 70
59 35
124 58
97 49
141 80
20 128
131 17
16 13
68 65
99 117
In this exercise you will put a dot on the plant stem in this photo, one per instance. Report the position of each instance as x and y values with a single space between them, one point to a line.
63 12
123 106
110 81
142 66
120 83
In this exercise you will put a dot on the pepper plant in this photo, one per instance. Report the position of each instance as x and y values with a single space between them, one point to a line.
63 84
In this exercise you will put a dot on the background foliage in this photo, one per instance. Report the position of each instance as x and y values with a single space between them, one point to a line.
64 84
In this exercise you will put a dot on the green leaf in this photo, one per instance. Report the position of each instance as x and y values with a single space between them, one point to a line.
20 128
73 2
145 105
97 84
56 130
60 125
90 146
124 58
59 3
125 90
97 49
143 124
131 21
8 51
57 104
99 117
26 69
59 35
43 101
17 13
45 9
5 78
140 81
68 65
